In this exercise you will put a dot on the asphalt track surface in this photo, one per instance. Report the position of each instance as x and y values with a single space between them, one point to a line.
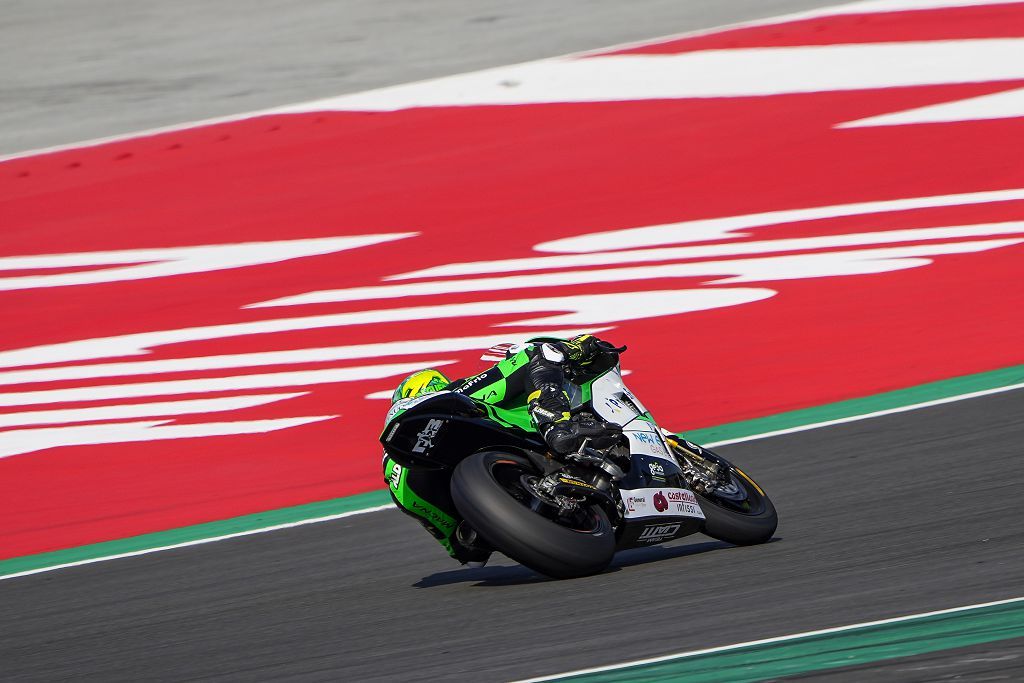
879 518
72 70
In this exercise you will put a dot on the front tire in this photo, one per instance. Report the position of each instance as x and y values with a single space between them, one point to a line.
737 510
746 517
488 493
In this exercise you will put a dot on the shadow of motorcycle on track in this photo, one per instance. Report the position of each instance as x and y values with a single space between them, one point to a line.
518 575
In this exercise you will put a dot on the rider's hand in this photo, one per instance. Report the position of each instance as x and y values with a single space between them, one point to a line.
583 348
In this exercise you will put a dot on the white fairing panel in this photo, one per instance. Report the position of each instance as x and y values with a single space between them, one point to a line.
645 439
406 403
661 502
615 403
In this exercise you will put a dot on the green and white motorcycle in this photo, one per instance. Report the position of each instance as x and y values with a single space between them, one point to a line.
567 517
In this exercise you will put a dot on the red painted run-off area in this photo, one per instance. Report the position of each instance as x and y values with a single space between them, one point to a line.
482 183
949 23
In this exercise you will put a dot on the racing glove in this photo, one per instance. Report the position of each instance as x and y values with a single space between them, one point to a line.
584 348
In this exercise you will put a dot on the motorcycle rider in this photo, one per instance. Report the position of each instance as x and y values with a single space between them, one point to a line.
534 371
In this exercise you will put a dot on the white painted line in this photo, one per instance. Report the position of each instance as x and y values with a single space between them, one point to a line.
868 6
868 416
212 384
862 7
1008 104
753 437
143 264
730 227
200 541
588 311
411 347
769 641
700 251
23 441
127 411
733 72
724 271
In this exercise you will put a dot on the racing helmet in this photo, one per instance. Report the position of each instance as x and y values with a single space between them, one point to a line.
418 383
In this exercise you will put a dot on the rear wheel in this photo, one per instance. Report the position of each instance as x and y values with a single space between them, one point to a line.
493 492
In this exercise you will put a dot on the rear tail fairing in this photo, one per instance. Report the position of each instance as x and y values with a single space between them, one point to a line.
440 430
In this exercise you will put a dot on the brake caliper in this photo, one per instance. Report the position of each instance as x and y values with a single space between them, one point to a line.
702 474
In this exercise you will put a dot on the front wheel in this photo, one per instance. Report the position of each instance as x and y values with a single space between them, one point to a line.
492 491
735 508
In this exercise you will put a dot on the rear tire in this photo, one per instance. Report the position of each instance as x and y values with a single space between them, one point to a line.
484 490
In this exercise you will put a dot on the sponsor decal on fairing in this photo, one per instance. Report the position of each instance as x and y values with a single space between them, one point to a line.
647 443
656 469
660 502
658 532
425 438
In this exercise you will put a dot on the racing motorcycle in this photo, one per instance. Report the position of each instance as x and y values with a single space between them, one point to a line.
566 517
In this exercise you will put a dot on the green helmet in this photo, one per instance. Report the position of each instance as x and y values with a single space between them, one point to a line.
418 383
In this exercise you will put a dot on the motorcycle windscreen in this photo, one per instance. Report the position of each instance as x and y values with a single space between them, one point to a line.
613 401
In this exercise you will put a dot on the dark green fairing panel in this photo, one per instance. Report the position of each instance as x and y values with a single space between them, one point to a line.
425 437
517 418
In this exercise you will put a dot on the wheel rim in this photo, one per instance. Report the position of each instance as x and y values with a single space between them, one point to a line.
739 494
513 477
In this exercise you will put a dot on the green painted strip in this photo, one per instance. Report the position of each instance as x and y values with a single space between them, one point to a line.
198 532
949 388
889 400
816 652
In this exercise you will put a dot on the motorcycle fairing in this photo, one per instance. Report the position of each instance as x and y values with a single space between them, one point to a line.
426 435
440 430
660 502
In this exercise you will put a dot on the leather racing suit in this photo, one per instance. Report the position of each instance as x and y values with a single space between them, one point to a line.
534 372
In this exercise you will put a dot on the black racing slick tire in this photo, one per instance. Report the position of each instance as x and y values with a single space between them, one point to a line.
745 518
487 492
